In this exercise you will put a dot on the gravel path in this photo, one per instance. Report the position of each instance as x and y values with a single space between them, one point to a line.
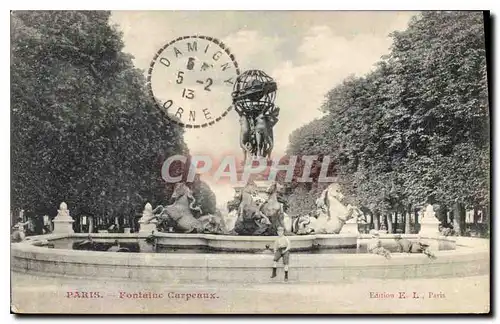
58 295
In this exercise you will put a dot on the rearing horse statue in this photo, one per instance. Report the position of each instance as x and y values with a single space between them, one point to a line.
273 209
250 221
331 214
180 212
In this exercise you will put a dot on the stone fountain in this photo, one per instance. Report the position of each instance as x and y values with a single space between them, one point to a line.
251 264
330 226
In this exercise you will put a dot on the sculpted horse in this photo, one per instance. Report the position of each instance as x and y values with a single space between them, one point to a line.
273 209
331 214
250 221
180 212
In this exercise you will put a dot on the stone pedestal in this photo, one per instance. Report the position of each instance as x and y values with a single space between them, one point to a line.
146 223
429 224
429 229
429 233
63 223
350 227
147 227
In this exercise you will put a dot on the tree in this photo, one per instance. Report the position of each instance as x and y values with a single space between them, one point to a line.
83 129
442 63
414 130
309 140
205 197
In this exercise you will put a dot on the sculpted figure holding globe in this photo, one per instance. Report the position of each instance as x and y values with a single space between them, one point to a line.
253 95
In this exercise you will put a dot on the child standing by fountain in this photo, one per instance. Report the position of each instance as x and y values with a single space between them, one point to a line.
281 250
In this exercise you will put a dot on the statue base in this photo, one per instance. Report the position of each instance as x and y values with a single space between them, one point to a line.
429 231
63 225
147 227
350 227
429 227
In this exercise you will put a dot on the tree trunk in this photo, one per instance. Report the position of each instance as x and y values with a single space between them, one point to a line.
390 228
458 219
416 226
443 215
408 220
395 227
376 220
371 221
476 216
383 224
456 222
463 225
485 219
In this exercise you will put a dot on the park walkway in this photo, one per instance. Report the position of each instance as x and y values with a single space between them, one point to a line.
47 294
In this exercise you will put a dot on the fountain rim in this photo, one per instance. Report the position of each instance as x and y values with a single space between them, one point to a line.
29 244
471 259
224 237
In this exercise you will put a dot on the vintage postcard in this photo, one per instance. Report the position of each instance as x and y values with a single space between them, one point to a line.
262 162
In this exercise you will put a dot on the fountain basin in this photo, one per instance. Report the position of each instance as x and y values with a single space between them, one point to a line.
471 257
254 243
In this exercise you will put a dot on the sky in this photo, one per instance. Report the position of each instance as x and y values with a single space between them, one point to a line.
306 52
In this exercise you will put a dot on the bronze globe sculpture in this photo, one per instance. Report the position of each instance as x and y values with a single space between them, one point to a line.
254 93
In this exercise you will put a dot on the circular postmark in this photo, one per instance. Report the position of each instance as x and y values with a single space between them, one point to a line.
191 80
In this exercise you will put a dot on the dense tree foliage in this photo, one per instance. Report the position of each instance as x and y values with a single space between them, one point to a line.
204 196
416 128
83 129
312 139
